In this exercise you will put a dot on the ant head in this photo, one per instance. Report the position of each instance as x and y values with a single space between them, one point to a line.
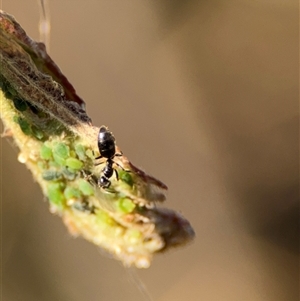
104 182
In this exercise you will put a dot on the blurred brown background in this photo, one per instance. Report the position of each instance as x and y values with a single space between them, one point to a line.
204 96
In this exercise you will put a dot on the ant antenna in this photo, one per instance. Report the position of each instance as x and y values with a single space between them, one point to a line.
44 23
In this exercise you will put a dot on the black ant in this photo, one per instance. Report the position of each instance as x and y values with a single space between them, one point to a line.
107 149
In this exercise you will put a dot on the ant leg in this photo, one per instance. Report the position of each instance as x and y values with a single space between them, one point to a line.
91 178
122 167
117 175
95 164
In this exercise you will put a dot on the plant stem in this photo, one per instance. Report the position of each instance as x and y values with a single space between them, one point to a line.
47 120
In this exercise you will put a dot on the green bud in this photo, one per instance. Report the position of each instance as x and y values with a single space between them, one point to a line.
60 153
50 175
74 163
90 154
71 193
24 125
80 151
85 187
126 177
46 152
125 205
20 104
37 133
55 195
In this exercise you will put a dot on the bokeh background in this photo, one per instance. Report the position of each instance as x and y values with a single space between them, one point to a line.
204 96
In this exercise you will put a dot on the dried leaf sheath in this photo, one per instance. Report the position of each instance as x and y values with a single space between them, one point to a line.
57 142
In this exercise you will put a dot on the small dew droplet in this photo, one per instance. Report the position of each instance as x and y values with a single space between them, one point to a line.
143 263
22 158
